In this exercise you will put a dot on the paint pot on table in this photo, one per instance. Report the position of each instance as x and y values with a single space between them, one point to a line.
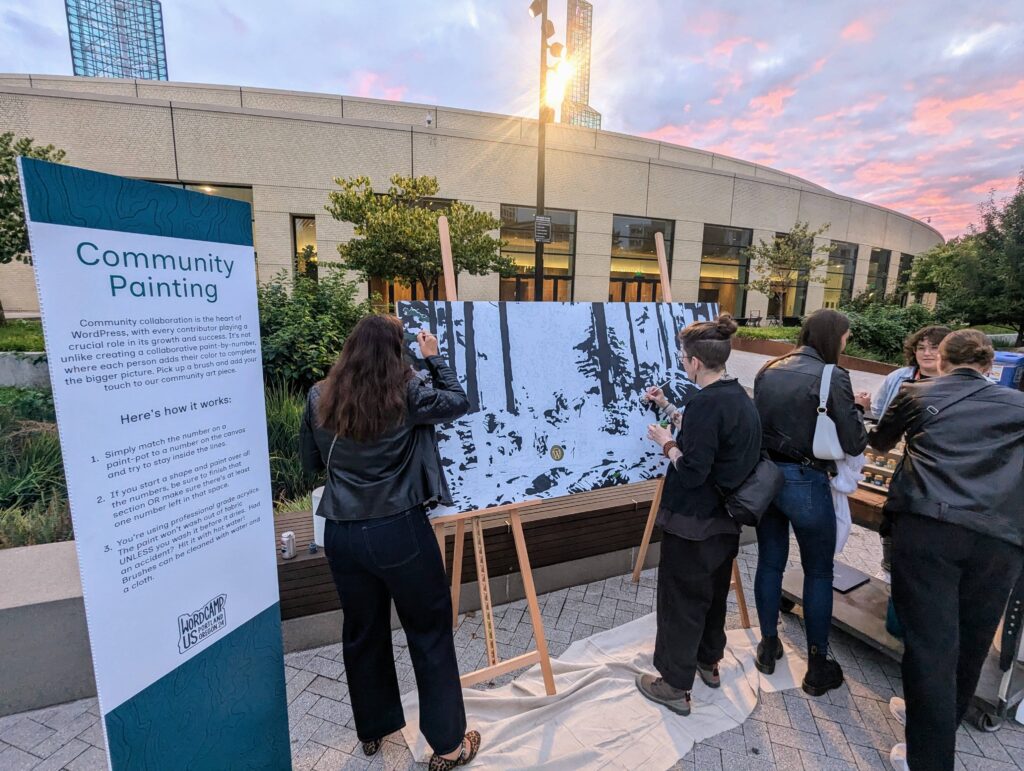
288 545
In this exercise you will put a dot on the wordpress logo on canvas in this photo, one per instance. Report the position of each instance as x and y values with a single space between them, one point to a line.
196 626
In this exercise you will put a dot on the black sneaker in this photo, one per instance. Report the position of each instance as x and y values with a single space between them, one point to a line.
823 673
769 650
709 674
657 690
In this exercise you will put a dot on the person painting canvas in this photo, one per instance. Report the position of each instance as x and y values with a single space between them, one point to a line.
370 425
716 448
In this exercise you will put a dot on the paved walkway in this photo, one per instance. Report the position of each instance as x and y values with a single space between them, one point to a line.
849 729
745 366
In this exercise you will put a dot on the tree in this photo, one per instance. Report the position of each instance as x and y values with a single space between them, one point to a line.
979 277
13 235
398 239
788 260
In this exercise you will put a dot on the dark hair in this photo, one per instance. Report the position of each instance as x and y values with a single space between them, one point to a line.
967 348
709 341
364 395
933 334
823 331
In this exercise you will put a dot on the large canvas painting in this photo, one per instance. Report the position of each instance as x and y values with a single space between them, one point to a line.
555 392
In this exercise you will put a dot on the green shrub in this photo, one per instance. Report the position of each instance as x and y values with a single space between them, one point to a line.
789 334
878 330
296 505
28 403
284 415
22 335
303 324
45 521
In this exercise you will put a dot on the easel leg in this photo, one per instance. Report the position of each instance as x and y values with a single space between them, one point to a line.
641 557
439 535
484 582
460 537
531 603
741 599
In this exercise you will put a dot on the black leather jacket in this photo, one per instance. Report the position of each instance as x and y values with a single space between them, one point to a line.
392 474
964 465
786 395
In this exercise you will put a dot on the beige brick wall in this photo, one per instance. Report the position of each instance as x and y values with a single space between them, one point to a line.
289 147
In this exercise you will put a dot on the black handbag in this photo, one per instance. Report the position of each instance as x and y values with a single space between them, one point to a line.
747 503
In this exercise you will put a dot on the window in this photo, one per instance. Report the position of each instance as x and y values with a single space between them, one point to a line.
723 268
795 296
903 278
842 265
878 272
391 292
635 274
517 230
304 246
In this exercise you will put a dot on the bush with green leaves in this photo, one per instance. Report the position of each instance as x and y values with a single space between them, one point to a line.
877 330
28 403
33 494
304 323
284 416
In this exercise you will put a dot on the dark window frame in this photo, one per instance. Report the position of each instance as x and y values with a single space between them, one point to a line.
642 287
523 282
709 256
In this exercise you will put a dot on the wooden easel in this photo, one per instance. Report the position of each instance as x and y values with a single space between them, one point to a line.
509 514
645 542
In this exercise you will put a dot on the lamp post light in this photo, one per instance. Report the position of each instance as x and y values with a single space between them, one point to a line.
545 115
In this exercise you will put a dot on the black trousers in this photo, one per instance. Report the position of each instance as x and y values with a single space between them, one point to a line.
693 590
374 562
950 587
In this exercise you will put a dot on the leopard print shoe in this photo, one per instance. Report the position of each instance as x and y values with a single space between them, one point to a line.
438 763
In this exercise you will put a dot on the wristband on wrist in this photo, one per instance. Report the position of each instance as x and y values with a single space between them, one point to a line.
667 448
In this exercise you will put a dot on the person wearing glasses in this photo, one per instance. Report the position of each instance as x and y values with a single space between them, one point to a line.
921 351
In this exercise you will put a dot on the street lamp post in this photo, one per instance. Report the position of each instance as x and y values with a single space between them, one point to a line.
545 114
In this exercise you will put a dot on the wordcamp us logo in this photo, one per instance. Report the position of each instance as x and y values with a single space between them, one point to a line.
196 626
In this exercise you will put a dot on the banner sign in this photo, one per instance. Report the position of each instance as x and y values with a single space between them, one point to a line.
555 393
148 301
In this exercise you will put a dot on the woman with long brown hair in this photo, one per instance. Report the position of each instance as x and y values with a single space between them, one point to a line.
370 424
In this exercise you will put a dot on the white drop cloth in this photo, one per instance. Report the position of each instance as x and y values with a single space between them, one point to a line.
598 719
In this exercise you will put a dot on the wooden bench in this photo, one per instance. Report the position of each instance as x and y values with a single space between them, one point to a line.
557 530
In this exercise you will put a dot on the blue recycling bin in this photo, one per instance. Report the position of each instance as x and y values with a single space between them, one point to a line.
1008 370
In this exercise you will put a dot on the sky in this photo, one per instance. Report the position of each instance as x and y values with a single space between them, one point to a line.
916 105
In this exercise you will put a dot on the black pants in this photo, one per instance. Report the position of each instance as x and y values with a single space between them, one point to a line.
374 562
693 589
950 586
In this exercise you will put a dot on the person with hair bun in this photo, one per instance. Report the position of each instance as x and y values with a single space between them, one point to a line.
713 452
956 503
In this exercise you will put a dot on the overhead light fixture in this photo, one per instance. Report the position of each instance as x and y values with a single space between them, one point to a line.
536 7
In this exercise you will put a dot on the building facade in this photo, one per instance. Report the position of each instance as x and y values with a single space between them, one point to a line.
576 109
609 194
117 38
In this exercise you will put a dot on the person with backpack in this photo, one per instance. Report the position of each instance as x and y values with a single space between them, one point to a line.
715 450
788 393
956 503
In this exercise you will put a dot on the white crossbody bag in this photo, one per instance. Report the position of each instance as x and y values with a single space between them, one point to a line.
826 438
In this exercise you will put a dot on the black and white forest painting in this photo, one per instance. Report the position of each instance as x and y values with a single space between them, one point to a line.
555 393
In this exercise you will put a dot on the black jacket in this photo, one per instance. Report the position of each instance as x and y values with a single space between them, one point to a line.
964 465
720 441
786 395
392 474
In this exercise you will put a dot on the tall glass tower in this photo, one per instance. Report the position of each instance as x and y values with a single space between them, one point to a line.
117 38
576 107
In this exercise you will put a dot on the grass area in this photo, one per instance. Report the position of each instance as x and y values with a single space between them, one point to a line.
769 333
303 504
22 335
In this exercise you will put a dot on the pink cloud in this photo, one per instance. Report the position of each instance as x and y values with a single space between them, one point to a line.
999 185
819 65
725 48
934 115
372 85
772 102
869 104
857 31
884 172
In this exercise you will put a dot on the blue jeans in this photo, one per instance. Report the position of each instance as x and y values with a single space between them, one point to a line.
805 502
